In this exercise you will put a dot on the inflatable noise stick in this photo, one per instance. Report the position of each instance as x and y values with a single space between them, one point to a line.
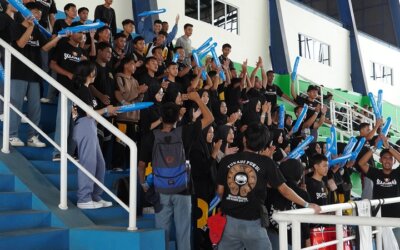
300 119
296 65
28 14
333 147
328 146
301 146
214 202
281 123
379 102
349 147
377 113
199 64
204 45
218 63
340 160
82 28
385 131
356 151
1 72
175 58
151 12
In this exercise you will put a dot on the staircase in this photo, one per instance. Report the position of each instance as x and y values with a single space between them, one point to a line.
29 196
22 225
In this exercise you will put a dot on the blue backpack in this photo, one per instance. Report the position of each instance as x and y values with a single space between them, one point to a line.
171 173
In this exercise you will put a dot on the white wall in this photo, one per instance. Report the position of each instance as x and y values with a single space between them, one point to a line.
382 53
123 8
297 19
253 38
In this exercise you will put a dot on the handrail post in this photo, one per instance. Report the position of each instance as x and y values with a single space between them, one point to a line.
63 152
379 241
283 239
339 232
132 187
296 235
7 95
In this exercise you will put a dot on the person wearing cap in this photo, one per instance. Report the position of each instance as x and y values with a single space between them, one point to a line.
310 100
386 180
128 26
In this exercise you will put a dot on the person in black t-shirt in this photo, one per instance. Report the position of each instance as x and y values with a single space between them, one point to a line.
139 55
85 136
148 77
181 202
70 14
271 91
386 180
83 14
67 55
128 27
49 10
310 100
103 89
242 180
106 14
226 50
316 187
24 81
118 51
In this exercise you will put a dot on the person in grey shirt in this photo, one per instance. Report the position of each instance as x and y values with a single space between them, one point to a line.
184 41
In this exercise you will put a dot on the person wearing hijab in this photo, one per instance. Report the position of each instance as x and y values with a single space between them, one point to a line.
220 113
292 170
203 156
226 134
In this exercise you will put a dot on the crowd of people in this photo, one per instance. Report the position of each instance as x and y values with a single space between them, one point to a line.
219 136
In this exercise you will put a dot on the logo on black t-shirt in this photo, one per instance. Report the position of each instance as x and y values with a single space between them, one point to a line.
387 182
74 57
242 179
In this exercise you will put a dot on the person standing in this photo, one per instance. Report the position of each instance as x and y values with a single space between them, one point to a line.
106 14
242 181
184 41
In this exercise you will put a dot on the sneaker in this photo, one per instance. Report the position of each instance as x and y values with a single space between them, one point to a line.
24 120
89 205
16 142
44 100
57 157
105 203
35 142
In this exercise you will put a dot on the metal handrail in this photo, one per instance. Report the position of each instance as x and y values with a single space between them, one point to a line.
307 215
64 94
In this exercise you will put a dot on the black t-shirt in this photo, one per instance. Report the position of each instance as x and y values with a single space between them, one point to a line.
67 57
386 186
105 83
145 78
317 191
48 7
85 95
106 15
270 92
185 79
32 51
7 28
245 176
222 59
59 24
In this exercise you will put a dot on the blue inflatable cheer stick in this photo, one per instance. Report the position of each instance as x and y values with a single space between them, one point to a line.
151 12
175 58
281 123
214 202
199 64
296 65
340 160
328 148
134 107
377 113
380 102
333 147
300 119
82 28
385 131
28 14
356 151
150 180
218 63
204 45
1 72
349 147
300 147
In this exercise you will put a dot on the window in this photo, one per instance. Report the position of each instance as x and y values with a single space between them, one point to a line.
315 50
382 73
214 12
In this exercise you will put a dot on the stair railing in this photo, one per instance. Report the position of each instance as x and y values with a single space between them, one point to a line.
65 95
